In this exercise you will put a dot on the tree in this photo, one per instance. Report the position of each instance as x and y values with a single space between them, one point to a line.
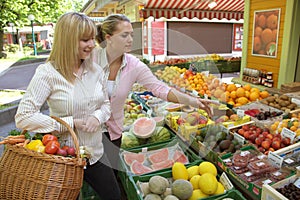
45 11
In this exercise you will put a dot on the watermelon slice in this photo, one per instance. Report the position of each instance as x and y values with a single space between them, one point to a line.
179 156
129 157
159 156
144 127
174 107
138 168
162 165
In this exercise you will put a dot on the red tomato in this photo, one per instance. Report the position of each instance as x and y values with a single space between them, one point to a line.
52 147
47 138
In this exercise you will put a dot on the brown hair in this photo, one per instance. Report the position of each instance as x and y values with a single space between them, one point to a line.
109 26
69 30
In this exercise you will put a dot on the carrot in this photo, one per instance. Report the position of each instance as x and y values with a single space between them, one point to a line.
14 141
16 136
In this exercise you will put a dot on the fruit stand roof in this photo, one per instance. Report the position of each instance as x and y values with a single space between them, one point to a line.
228 9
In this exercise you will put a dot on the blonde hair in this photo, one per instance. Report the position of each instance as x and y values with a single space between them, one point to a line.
109 26
69 30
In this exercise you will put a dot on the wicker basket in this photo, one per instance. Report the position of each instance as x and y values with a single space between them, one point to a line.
27 174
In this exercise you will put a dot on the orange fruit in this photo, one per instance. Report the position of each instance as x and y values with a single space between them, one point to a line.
231 87
242 100
254 90
240 92
247 87
254 96
247 94
264 94
293 128
233 94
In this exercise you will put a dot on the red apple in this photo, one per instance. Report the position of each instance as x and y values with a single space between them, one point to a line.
252 137
245 127
265 133
258 140
241 131
266 144
276 144
246 134
261 149
258 130
270 136
286 141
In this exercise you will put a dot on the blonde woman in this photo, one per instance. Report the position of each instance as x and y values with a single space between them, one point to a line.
75 89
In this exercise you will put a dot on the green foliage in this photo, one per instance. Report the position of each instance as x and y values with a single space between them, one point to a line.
45 11
15 132
12 48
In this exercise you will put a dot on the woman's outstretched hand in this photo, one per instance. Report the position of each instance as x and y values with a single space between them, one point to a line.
206 104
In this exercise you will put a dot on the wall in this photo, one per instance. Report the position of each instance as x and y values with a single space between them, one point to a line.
259 62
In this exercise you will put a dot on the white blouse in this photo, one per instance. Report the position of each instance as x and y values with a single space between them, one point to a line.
86 96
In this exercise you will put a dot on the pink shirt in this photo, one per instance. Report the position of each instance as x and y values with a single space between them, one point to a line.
132 70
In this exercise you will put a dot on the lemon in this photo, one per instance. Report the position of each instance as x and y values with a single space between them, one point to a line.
208 183
179 171
220 189
197 194
207 167
195 181
192 171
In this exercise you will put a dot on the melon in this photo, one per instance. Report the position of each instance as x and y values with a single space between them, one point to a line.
182 189
171 197
144 127
158 184
162 165
159 156
152 197
129 157
138 168
179 156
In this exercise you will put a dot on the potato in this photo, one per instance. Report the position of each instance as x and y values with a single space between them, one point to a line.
270 99
284 97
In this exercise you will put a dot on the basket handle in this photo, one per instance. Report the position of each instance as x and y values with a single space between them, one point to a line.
73 134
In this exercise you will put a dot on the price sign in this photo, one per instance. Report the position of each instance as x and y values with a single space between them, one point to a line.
205 73
275 159
225 181
144 149
240 113
239 138
288 134
296 101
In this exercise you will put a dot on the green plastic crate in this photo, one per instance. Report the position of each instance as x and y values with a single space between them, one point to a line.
134 192
124 174
233 194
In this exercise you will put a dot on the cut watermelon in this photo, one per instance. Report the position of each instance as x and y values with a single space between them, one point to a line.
129 157
138 168
144 127
179 156
162 165
159 156
174 107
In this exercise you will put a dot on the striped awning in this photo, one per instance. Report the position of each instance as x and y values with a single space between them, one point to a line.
225 9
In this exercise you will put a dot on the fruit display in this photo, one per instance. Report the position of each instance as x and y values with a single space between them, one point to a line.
190 183
139 163
290 191
281 102
262 138
132 111
161 134
217 139
241 95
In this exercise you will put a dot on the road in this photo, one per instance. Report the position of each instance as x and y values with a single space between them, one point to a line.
17 77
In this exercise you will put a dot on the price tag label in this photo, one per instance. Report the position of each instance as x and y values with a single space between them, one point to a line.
288 134
227 160
225 181
268 181
239 138
244 153
289 161
240 113
248 174
275 159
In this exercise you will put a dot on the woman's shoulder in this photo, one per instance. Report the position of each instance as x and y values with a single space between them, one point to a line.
133 60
